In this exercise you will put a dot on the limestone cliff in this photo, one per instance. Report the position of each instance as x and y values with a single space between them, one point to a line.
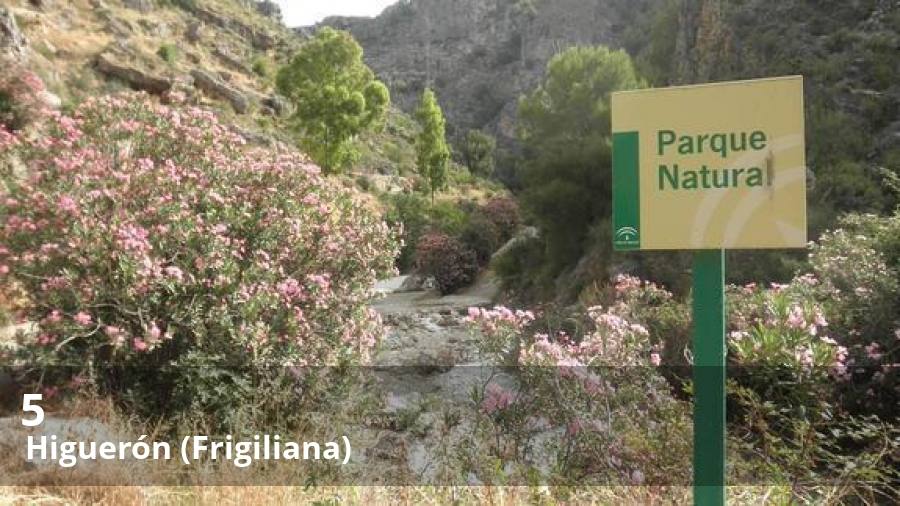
480 55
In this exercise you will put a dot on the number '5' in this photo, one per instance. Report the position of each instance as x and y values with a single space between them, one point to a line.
28 407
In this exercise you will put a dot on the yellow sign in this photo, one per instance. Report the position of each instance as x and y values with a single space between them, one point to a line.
712 166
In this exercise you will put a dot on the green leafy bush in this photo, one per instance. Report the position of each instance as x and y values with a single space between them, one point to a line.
263 67
452 264
168 52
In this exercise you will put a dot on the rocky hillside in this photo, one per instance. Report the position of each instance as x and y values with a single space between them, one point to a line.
480 55
222 54
219 53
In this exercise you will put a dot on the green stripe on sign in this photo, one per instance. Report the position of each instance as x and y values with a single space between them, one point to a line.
626 192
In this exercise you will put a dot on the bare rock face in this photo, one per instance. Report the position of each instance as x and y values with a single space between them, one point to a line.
140 5
12 41
480 55
259 39
215 87
136 79
231 60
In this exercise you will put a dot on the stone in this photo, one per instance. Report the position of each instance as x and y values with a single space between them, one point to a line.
194 32
230 59
12 42
51 100
140 5
215 87
278 104
134 78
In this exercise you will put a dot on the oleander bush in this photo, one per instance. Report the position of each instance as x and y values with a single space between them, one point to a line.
20 102
175 268
452 264
587 408
504 213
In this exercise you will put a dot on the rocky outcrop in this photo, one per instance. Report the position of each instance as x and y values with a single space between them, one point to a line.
140 5
134 78
215 87
259 39
12 41
230 60
480 55
278 104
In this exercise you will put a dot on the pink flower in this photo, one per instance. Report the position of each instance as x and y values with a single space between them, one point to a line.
174 272
874 351
138 344
67 204
796 319
4 269
496 398
83 318
153 333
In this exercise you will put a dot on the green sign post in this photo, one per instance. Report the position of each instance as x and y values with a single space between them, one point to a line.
708 168
709 377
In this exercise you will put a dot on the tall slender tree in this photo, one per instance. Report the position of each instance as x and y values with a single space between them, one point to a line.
433 153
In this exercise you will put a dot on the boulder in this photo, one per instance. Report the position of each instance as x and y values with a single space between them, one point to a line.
230 60
12 41
417 283
51 100
140 5
278 104
194 32
134 78
213 86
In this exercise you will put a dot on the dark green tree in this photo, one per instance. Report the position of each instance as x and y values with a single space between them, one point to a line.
564 126
477 152
335 96
432 151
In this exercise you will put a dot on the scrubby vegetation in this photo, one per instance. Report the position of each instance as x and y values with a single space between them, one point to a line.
179 271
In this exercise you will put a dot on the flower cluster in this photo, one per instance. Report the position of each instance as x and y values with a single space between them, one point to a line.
593 391
146 232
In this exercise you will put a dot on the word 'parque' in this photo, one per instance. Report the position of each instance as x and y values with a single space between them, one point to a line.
672 176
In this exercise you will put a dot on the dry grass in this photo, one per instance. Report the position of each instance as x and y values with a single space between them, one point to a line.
499 496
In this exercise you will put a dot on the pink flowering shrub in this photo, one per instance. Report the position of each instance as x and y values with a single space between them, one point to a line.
151 239
596 402
503 213
857 268
781 344
20 102
452 264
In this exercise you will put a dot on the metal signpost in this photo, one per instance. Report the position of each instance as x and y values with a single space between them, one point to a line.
708 168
